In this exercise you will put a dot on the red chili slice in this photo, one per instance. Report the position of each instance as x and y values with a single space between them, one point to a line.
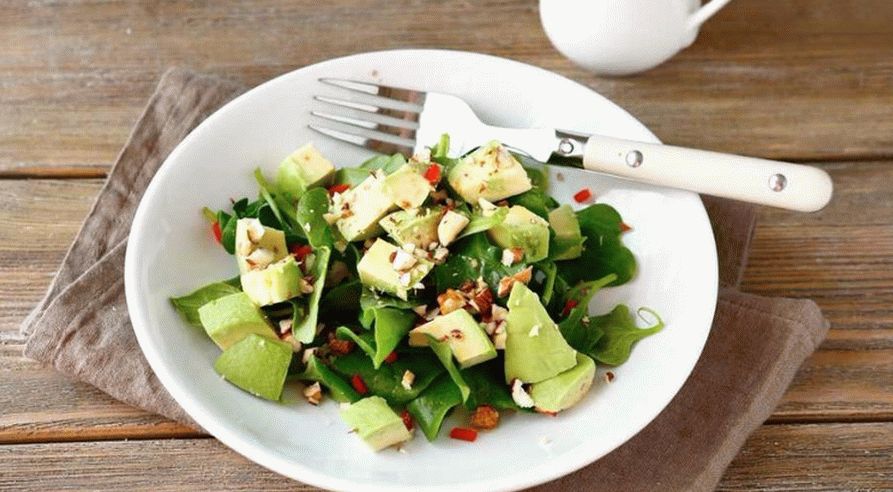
218 234
338 188
300 251
583 195
624 227
358 384
407 419
391 358
571 304
464 434
432 174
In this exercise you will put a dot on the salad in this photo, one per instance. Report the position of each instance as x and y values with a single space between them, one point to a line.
410 289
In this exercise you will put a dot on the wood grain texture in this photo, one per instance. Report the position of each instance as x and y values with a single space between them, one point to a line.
776 457
801 79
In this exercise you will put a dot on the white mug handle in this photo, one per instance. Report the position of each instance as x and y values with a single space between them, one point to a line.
705 12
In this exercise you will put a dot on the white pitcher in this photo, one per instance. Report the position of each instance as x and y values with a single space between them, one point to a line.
622 37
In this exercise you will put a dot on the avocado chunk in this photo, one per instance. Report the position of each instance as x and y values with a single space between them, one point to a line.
525 230
362 207
468 341
302 170
490 172
256 364
257 245
534 348
231 318
568 241
276 283
407 188
377 271
417 227
566 389
376 423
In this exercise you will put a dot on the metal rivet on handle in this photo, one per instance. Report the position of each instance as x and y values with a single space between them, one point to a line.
565 147
634 158
777 182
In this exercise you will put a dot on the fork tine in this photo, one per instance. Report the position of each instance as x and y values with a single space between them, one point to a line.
382 143
416 98
391 126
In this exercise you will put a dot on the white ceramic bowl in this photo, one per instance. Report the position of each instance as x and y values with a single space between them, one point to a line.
170 252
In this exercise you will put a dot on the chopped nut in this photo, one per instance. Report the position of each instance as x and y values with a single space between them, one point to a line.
609 377
508 258
484 417
482 299
306 285
405 279
439 196
498 313
520 395
434 245
313 393
285 325
403 261
499 340
331 218
295 344
440 254
408 379
256 231
450 301
305 357
420 310
408 247
490 327
260 258
432 313
338 346
505 283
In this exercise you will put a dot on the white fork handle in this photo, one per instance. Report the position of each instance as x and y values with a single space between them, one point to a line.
778 184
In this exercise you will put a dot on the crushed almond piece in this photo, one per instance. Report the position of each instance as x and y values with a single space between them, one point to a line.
508 258
520 395
338 346
498 313
505 283
420 310
403 261
313 393
609 377
408 379
291 340
482 299
484 417
305 357
440 254
433 313
285 325
306 285
405 279
450 301
256 231
499 340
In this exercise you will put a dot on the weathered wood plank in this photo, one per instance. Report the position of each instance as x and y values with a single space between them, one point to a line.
849 379
803 79
776 457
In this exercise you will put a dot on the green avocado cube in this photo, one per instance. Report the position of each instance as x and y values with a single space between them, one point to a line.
231 318
407 188
258 245
302 170
278 282
362 207
534 348
377 270
468 341
256 364
566 389
375 422
525 230
416 227
490 172
568 241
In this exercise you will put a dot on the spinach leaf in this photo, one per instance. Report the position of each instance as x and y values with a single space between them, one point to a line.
441 148
351 176
487 384
370 302
386 163
188 305
227 231
281 207
386 380
620 333
548 285
341 302
536 200
314 203
445 354
580 335
390 326
432 406
306 330
340 389
480 223
603 251
470 258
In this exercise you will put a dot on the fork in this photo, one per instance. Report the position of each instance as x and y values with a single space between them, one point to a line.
396 120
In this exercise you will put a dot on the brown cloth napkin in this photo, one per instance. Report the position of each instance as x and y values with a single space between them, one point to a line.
755 348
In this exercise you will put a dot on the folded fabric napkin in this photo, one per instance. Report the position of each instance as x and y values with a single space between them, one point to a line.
81 326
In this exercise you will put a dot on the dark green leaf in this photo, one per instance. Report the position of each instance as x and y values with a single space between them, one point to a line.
386 380
603 251
620 333
228 231
432 406
386 163
389 328
445 354
311 208
340 389
342 301
487 384
366 341
188 305
306 330
480 223
580 335
470 258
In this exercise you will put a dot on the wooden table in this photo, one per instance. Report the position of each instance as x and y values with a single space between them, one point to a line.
803 80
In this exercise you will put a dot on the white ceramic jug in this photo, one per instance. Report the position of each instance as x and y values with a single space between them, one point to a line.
622 37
